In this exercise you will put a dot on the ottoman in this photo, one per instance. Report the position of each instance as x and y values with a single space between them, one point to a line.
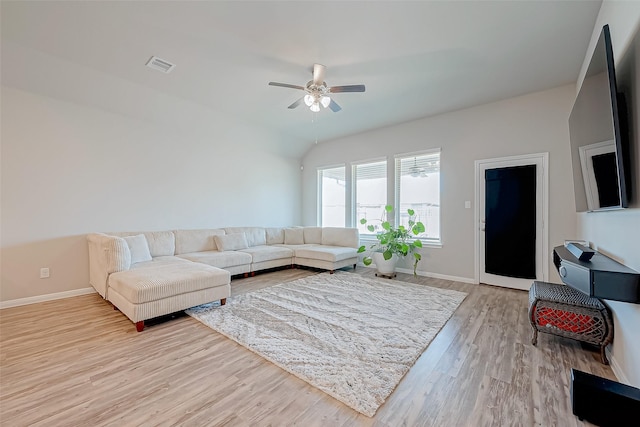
563 311
158 288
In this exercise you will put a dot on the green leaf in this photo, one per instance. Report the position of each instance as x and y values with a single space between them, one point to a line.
363 221
367 260
371 228
388 208
386 225
361 249
417 244
417 256
387 255
418 228
411 212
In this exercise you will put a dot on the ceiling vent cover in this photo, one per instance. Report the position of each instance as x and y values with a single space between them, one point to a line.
160 64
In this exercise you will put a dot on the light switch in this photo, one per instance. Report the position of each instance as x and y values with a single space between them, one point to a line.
467 204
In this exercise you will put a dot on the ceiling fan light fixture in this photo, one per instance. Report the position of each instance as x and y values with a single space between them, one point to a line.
317 92
309 100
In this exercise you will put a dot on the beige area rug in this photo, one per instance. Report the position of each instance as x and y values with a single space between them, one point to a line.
350 336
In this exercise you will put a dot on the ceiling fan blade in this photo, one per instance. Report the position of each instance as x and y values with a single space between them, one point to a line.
295 104
318 74
286 85
334 106
347 88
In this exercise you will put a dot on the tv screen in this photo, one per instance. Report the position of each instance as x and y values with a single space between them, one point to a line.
597 128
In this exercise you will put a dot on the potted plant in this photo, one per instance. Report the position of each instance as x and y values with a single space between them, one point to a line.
393 242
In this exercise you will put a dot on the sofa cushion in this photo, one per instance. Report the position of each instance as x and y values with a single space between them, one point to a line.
274 235
161 243
219 259
188 241
139 248
326 253
293 236
340 236
268 253
163 281
231 242
255 235
313 235
158 261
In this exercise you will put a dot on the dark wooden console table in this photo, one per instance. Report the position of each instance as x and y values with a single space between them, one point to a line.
600 277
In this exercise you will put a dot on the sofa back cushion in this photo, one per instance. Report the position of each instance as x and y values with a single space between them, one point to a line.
255 235
139 248
188 241
340 236
274 236
293 236
313 235
161 243
231 242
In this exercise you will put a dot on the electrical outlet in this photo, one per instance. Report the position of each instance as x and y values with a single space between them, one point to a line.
44 273
467 204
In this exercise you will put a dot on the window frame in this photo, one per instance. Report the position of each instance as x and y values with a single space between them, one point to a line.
355 221
431 242
319 177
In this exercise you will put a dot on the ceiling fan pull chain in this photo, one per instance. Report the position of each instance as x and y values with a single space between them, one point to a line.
315 125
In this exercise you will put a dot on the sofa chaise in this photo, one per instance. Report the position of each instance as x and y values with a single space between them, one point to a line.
151 274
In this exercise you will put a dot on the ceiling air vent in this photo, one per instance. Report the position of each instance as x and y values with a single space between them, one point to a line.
160 64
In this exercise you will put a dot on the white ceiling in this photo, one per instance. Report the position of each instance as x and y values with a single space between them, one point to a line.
416 58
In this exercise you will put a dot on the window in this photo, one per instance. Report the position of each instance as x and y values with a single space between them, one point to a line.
331 188
345 198
418 188
369 193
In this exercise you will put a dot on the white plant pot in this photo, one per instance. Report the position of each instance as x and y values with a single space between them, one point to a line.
385 266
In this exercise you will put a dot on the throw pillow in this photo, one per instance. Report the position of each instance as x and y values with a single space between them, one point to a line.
231 242
294 236
139 248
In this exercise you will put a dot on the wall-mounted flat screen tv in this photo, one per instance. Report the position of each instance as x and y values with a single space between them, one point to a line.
599 136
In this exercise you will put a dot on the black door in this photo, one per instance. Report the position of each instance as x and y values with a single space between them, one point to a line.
510 215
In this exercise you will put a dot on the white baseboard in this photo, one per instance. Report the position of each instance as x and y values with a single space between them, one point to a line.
616 368
428 274
42 298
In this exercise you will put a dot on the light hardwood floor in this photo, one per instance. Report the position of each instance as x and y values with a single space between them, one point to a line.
78 362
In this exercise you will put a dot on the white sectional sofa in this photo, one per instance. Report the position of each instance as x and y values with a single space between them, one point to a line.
150 274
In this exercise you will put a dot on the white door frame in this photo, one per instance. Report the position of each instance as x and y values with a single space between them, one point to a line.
506 162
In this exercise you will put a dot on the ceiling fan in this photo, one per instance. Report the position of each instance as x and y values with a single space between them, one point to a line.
417 172
317 91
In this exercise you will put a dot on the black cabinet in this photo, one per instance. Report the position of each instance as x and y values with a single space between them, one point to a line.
600 277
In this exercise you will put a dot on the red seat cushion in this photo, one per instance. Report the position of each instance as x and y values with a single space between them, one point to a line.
565 320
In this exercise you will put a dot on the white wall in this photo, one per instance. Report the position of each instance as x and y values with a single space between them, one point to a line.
69 169
532 123
617 234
